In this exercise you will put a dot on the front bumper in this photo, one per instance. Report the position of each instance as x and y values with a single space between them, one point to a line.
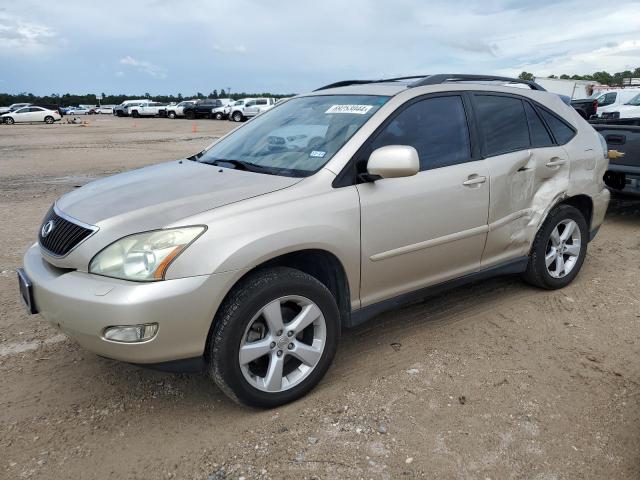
82 305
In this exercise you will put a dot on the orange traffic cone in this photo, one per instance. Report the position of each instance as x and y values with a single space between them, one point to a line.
194 127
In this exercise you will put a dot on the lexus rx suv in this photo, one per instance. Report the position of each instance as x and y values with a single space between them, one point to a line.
249 257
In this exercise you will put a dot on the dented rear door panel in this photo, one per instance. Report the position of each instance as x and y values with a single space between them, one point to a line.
523 185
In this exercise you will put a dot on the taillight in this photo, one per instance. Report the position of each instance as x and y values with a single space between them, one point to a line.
595 106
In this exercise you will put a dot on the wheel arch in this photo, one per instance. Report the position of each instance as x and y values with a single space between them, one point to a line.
582 202
321 264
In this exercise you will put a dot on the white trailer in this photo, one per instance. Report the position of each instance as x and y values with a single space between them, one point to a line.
575 89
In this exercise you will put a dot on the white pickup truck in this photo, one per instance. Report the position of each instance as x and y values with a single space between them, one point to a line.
250 107
151 109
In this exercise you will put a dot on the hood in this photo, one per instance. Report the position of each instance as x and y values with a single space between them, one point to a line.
162 194
628 108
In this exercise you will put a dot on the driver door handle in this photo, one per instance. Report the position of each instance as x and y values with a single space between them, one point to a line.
474 180
555 162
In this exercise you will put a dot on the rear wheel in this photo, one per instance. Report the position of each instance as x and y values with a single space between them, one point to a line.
274 337
559 249
218 116
49 120
190 115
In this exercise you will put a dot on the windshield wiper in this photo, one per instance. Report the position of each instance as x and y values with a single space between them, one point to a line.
242 165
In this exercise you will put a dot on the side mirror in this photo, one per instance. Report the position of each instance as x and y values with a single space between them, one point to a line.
393 161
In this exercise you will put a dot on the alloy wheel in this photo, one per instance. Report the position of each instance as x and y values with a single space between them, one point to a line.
282 344
563 248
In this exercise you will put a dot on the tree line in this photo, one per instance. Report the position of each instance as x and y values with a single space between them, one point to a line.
69 99
605 78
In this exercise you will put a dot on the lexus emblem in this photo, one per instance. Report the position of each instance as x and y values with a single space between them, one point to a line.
46 228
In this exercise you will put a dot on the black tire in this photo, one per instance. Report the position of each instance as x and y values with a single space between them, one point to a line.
189 115
49 120
171 115
536 273
235 314
135 114
237 116
9 121
218 116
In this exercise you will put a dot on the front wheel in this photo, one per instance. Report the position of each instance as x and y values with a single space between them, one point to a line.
559 249
274 337
237 116
9 121
172 115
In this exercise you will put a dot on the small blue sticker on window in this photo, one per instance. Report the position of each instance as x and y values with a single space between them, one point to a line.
317 154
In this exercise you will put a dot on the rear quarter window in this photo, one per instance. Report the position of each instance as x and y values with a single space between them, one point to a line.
561 131
537 131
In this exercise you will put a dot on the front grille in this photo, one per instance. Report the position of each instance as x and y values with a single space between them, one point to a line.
63 236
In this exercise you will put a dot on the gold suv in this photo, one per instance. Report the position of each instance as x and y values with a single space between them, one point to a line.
248 258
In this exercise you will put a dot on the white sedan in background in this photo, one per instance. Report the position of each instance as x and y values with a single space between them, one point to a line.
31 114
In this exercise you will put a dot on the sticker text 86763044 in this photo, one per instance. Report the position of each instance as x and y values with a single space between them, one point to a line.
357 109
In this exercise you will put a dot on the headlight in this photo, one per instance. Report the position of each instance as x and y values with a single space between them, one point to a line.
145 256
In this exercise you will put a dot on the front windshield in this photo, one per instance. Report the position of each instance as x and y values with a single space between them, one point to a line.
635 101
296 138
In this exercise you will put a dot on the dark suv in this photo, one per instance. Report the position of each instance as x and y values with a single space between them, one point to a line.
202 109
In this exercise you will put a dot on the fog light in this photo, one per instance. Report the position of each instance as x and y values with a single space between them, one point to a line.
131 333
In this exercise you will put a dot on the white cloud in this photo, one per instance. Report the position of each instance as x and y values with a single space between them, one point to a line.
16 34
612 58
144 66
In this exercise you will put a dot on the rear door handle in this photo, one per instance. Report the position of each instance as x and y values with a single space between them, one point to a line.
555 162
474 180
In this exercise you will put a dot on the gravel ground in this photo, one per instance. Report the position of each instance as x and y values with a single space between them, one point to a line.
495 380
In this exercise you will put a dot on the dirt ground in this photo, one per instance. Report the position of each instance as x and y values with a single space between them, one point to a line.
496 380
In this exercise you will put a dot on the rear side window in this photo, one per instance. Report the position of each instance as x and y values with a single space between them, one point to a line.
537 131
503 124
435 127
561 131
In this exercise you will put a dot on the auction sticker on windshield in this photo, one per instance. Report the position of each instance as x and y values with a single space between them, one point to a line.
358 109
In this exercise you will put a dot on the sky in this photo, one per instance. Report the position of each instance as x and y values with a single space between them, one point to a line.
292 46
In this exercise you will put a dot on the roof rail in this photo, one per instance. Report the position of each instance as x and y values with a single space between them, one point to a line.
453 77
437 80
346 83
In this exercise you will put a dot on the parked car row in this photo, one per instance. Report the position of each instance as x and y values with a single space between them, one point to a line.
218 109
